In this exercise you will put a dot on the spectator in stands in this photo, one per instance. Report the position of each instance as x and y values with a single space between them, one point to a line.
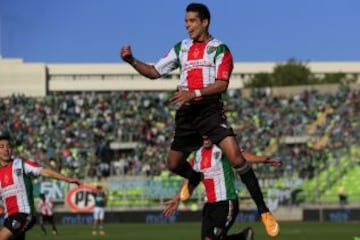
205 68
45 122
222 204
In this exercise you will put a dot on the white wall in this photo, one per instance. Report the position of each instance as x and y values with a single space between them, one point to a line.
17 77
31 79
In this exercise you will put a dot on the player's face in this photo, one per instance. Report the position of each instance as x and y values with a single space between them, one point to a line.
207 143
196 28
5 151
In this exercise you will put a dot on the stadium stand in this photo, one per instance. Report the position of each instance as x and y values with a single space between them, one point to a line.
123 136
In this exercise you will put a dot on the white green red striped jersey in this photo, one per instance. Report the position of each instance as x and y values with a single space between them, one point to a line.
16 189
200 63
46 207
218 174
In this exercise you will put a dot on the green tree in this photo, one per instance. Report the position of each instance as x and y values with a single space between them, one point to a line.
287 74
336 78
292 73
259 80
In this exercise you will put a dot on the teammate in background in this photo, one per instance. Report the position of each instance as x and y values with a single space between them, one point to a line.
205 65
222 204
16 190
45 207
99 211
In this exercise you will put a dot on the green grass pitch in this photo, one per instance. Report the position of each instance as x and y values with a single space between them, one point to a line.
191 231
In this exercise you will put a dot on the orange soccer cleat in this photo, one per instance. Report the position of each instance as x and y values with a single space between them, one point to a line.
271 225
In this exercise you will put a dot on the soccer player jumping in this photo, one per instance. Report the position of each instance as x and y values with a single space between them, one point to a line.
205 65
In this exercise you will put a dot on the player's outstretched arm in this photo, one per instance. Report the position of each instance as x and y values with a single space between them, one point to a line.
252 158
172 205
144 69
46 172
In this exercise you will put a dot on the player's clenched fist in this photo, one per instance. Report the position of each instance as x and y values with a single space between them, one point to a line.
126 54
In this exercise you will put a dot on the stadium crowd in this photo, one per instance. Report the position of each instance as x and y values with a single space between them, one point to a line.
72 132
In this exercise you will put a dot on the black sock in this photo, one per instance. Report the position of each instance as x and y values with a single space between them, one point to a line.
185 170
248 177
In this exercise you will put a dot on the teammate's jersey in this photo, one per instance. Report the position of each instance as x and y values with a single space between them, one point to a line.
16 187
218 174
200 63
100 199
46 207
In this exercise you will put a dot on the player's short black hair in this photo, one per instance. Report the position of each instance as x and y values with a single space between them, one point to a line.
5 136
201 9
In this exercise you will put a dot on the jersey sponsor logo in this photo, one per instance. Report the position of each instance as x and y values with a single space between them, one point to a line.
81 198
196 64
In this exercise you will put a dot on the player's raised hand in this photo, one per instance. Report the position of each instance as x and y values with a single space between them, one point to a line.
126 54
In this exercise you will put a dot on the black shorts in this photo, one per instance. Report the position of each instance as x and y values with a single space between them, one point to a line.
19 223
198 119
46 218
217 218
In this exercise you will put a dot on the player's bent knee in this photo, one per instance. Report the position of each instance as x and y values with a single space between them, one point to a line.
172 166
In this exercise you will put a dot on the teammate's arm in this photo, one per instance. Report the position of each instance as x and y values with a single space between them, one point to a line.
172 205
46 172
252 158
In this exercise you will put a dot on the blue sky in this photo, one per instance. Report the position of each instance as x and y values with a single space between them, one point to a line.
92 31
